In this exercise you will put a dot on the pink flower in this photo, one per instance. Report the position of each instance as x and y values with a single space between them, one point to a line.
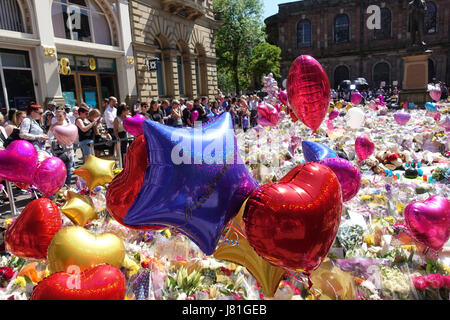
420 283
446 280
434 280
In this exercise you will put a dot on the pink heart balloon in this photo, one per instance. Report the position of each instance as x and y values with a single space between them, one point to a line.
282 96
330 125
402 118
50 176
66 135
436 95
333 114
429 221
364 148
268 115
356 98
18 162
194 116
278 107
133 125
373 105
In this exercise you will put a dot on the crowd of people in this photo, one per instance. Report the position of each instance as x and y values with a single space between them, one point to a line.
99 133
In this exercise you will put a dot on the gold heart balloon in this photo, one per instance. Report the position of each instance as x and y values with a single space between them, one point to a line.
76 246
235 248
96 172
79 209
332 283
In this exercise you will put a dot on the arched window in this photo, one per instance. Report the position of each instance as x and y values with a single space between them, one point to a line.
385 31
430 18
341 73
81 20
431 71
304 34
160 70
180 71
381 72
341 28
11 16
200 70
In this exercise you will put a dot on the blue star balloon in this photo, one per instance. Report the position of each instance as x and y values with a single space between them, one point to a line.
314 151
196 180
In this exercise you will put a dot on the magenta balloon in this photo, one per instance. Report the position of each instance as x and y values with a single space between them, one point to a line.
194 116
436 94
66 134
283 97
133 125
278 107
268 115
364 148
348 175
308 89
356 98
333 114
50 176
19 162
402 118
429 221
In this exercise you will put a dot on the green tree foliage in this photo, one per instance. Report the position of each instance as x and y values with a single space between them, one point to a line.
265 59
241 31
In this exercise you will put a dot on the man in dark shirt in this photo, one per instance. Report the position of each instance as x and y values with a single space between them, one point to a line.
201 111
166 110
205 105
187 114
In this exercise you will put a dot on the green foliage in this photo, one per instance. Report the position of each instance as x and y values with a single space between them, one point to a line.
265 59
240 32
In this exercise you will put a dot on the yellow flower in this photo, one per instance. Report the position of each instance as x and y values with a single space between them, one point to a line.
128 298
7 223
446 268
390 219
167 233
369 239
366 197
20 281
400 208
409 247
131 266
310 297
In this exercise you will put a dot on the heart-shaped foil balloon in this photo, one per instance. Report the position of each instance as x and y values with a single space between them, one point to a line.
268 115
76 246
66 135
293 223
133 125
364 148
18 162
402 118
102 282
429 221
30 235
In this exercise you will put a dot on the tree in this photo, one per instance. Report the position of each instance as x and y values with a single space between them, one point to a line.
240 31
265 59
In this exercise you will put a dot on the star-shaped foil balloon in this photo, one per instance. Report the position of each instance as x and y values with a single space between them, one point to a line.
79 209
96 172
235 248
196 180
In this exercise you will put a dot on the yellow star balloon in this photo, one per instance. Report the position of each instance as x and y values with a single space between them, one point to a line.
235 248
79 209
96 172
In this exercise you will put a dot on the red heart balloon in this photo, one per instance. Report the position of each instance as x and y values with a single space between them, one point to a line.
429 221
102 282
292 224
123 190
30 235
308 90
364 148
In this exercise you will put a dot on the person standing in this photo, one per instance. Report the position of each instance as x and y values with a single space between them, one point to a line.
183 104
187 114
110 114
155 113
30 128
85 131
144 110
176 114
205 105
119 132
60 150
202 115
166 111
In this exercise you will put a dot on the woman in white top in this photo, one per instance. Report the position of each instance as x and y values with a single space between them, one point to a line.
30 128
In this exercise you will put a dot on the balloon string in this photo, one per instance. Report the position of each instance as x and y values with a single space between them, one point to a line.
238 232
237 224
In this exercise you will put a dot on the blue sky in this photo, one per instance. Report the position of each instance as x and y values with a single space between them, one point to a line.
271 6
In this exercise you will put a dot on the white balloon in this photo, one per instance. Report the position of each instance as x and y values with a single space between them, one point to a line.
284 83
355 118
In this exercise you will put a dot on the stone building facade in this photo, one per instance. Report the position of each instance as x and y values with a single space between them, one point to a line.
336 32
180 35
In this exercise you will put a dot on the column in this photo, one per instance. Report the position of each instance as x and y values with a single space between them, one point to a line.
48 66
126 72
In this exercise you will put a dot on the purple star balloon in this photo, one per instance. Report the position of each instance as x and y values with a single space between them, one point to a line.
196 180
